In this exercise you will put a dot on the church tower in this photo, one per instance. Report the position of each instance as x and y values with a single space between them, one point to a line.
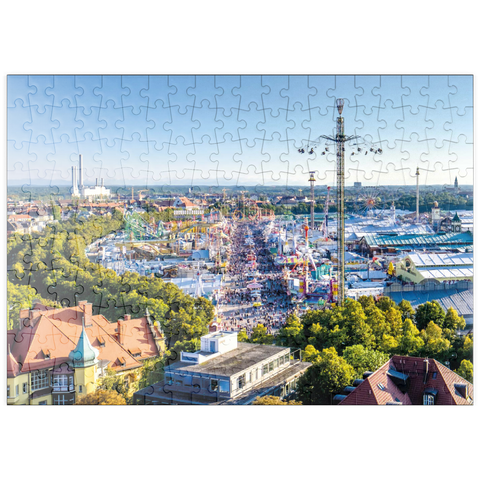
456 185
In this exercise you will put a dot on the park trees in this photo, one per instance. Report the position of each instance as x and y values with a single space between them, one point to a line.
364 336
272 400
465 370
101 397
328 374
429 312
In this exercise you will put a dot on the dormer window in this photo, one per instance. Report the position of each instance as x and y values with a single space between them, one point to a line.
101 341
121 361
135 352
46 353
429 396
461 390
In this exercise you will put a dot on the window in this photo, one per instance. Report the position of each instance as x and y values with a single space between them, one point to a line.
287 358
80 389
24 388
241 381
428 400
59 400
265 369
270 367
381 386
282 360
43 402
213 384
39 380
17 387
60 381
212 346
224 386
8 390
434 375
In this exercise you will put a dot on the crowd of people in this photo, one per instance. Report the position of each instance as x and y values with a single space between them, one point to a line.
255 293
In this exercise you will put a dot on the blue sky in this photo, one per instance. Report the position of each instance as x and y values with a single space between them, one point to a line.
237 130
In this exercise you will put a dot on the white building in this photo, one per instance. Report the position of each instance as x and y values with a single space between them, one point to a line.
82 191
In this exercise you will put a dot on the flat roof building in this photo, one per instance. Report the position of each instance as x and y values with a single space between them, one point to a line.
224 371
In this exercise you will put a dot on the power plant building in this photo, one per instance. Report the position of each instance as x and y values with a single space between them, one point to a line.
87 192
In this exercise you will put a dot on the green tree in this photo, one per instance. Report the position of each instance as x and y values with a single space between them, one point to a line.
409 342
259 335
364 359
18 298
242 336
453 321
291 334
328 375
465 370
385 303
406 309
272 400
429 312
435 345
101 397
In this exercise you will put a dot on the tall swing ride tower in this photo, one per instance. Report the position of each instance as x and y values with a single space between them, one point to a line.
340 139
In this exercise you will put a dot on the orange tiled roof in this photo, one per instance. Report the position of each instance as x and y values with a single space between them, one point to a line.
57 331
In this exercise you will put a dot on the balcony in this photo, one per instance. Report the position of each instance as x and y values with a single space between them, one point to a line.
63 388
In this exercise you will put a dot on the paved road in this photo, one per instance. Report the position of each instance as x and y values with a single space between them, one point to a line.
236 310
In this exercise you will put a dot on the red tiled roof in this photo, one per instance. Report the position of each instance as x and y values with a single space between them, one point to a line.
379 388
58 330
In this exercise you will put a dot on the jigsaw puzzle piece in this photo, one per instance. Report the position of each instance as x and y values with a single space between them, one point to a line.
300 130
110 117
202 167
391 131
461 124
17 116
92 123
227 102
67 118
180 148
463 149
134 124
462 98
441 119
250 91
135 147
42 124
252 117
207 121
274 100
228 147
390 89
40 100
64 89
320 99
205 90
111 90
182 124
19 88
366 101
344 88
87 100
274 124
21 163
160 114
413 99
249 164
135 84
181 98
158 89
438 90
108 157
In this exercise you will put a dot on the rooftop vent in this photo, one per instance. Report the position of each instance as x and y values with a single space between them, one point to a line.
401 380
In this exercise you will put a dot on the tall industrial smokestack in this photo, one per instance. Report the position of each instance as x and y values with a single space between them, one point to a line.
418 194
80 175
74 181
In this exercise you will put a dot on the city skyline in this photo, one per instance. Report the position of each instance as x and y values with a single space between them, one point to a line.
236 130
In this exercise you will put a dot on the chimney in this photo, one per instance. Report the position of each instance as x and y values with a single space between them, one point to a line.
102 182
120 331
425 362
80 173
127 317
96 182
34 316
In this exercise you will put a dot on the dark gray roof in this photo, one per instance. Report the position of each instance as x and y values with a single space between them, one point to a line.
460 300
241 358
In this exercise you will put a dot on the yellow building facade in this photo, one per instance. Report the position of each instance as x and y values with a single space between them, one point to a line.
436 268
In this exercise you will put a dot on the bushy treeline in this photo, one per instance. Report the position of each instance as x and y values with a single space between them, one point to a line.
52 266
345 341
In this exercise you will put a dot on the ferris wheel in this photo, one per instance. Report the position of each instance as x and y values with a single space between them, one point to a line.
374 201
